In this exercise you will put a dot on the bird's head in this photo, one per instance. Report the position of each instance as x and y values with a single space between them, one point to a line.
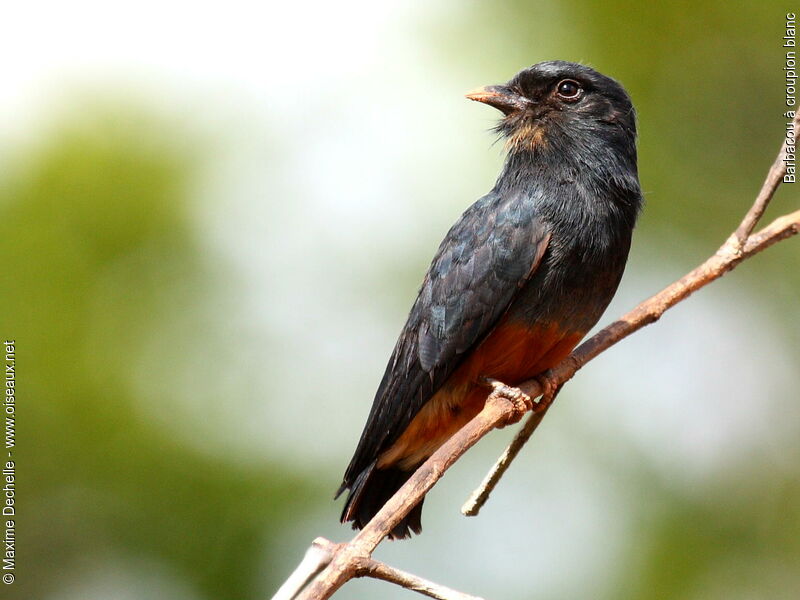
558 103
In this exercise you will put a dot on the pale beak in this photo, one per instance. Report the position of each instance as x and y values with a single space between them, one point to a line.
501 97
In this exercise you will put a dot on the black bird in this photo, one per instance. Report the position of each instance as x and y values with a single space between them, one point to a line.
517 281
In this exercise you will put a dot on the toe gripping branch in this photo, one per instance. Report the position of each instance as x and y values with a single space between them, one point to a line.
521 401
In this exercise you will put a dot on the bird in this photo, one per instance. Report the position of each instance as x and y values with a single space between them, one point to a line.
517 282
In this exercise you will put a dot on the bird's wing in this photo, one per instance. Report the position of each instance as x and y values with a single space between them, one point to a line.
485 258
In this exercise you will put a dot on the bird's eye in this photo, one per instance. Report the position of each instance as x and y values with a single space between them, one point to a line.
569 90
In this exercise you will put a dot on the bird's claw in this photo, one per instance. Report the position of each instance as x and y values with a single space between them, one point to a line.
520 401
549 389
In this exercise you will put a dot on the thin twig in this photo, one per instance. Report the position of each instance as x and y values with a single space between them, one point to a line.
477 498
379 570
774 179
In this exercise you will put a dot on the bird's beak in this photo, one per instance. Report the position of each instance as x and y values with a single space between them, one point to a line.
501 97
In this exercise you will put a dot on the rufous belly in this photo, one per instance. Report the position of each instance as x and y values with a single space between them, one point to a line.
512 353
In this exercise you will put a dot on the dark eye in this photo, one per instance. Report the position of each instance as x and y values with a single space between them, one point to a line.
569 90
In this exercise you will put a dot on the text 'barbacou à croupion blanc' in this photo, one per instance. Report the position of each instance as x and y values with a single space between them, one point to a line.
790 41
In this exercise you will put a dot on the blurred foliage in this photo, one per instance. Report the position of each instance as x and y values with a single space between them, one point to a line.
96 234
734 538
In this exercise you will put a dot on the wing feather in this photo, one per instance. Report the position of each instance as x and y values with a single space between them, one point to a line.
490 252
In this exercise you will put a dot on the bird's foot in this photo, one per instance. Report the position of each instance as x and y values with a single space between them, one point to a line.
520 401
549 387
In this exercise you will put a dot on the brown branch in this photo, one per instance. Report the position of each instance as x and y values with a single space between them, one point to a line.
478 498
774 179
353 559
379 570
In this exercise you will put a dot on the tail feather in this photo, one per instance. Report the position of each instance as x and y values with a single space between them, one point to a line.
370 491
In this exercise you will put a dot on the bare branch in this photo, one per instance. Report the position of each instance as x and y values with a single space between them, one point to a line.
478 498
780 229
379 570
771 183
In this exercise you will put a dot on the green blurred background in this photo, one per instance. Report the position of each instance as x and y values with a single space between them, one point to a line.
215 218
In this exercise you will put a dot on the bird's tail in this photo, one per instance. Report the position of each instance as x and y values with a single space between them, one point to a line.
370 491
